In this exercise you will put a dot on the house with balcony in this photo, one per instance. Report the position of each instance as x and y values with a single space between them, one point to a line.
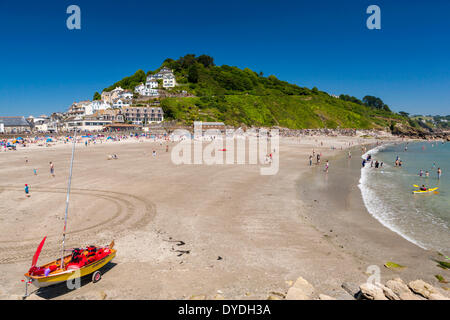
143 115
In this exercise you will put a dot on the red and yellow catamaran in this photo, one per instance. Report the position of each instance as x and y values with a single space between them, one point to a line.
78 264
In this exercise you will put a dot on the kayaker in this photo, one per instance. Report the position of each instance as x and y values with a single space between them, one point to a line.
423 188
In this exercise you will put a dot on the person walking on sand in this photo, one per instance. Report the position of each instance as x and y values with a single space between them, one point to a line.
27 191
327 165
310 160
52 169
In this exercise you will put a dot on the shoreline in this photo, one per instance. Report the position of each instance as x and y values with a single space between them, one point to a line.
354 228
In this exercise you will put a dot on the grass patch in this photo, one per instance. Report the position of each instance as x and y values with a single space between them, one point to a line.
443 264
440 278
393 265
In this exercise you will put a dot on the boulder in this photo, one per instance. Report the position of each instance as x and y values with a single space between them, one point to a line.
372 292
426 290
401 289
301 290
388 292
296 294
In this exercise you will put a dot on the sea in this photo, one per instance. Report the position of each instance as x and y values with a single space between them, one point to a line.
423 219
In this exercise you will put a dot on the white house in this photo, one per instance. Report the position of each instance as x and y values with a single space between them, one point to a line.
126 94
169 81
120 103
140 89
151 84
164 74
95 106
148 89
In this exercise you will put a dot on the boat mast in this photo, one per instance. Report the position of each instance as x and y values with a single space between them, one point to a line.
68 195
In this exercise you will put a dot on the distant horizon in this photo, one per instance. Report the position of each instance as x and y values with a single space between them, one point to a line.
46 67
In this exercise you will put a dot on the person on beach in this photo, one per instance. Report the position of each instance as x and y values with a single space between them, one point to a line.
377 164
439 172
364 163
27 191
52 169
349 155
327 165
318 158
35 172
310 160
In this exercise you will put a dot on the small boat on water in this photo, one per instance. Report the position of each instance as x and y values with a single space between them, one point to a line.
80 263
425 191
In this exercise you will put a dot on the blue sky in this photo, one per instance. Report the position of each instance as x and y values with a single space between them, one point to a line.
45 67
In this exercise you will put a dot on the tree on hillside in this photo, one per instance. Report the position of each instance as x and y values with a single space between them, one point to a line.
193 74
187 61
97 96
346 97
404 114
205 60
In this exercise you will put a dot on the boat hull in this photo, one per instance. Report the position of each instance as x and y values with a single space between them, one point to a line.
427 191
56 277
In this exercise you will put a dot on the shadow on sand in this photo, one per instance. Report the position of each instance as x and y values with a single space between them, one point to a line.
62 288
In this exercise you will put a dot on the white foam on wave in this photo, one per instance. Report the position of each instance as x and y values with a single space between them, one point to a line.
374 205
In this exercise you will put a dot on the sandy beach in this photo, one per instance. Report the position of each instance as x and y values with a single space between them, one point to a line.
192 231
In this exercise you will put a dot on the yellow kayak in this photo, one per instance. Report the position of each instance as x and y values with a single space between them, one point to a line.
426 191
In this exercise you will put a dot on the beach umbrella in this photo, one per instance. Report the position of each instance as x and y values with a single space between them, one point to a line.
49 140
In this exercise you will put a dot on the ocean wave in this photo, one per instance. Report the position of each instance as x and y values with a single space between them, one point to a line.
374 205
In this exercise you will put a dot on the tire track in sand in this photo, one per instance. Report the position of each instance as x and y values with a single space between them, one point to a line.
131 213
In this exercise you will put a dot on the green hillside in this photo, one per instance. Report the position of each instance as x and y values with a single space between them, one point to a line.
244 97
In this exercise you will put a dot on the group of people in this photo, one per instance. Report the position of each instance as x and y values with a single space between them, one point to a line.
377 164
318 156
398 162
52 173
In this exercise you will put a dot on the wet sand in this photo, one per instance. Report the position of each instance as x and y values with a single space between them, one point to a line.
196 230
